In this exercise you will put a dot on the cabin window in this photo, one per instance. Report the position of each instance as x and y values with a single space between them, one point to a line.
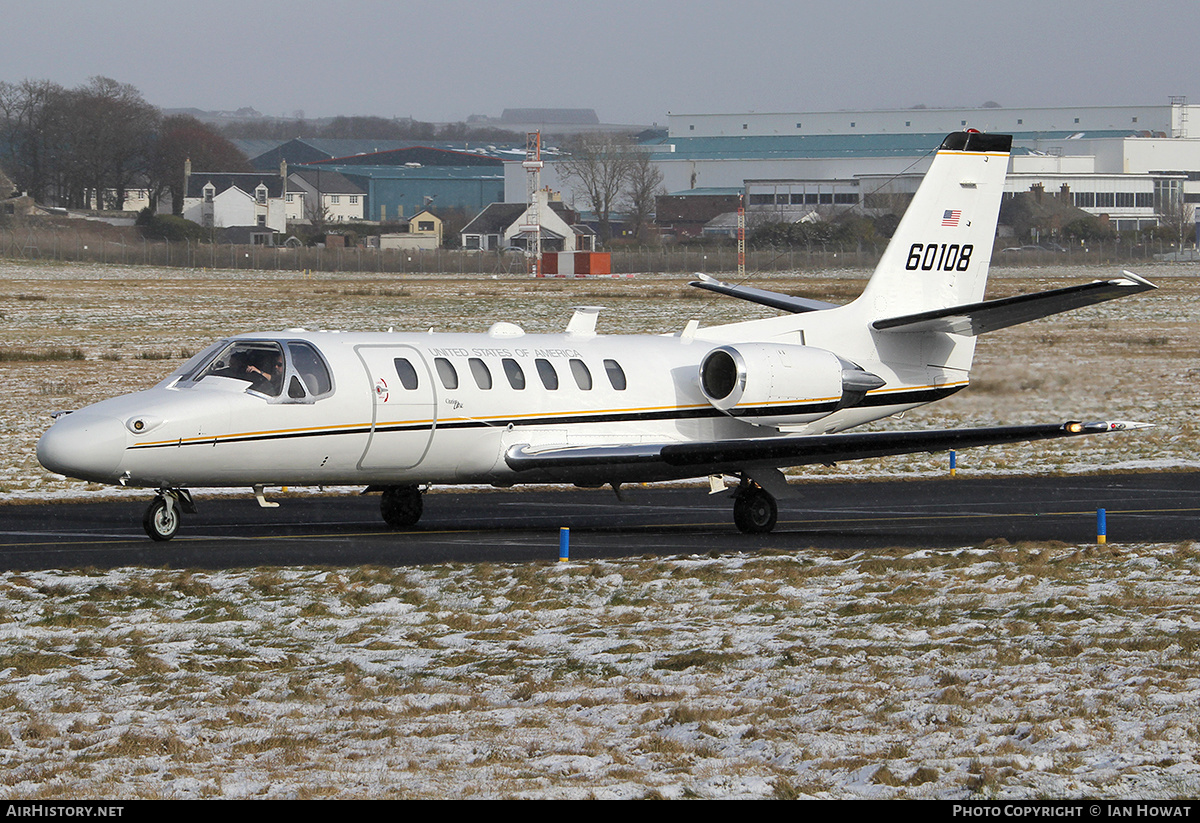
512 370
446 372
311 368
546 372
616 375
583 377
479 370
406 373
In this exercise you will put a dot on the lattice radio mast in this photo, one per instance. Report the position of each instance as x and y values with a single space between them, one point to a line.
532 228
741 231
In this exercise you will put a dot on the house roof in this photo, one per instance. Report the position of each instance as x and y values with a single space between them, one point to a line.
423 155
495 218
707 191
499 216
327 181
221 181
266 155
244 235
419 173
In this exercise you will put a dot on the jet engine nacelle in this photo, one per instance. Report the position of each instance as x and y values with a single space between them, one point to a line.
781 384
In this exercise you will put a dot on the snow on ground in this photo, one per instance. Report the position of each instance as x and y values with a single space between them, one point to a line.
1002 671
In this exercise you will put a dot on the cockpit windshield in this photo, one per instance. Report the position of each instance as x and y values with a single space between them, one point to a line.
193 364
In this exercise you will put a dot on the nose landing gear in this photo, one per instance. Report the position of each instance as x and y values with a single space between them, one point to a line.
164 514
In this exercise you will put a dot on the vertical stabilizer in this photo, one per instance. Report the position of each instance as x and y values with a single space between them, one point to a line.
940 252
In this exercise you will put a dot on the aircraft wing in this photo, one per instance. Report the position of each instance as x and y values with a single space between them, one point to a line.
734 456
774 299
990 315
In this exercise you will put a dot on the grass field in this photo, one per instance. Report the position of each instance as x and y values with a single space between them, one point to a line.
990 671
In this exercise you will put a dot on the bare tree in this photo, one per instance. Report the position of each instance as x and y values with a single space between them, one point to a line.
117 127
181 138
1176 215
31 134
599 164
645 184
63 144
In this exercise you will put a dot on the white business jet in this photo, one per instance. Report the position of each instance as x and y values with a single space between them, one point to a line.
399 412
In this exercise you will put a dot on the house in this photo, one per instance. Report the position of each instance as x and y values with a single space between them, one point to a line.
316 194
12 201
685 213
503 225
223 200
137 197
424 232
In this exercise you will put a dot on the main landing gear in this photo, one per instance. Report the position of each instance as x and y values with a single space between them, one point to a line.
401 506
164 514
754 509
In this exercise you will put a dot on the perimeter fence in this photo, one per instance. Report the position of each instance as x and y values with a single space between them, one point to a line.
67 246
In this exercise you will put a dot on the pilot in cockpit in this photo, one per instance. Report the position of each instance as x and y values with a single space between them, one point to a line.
266 373
262 368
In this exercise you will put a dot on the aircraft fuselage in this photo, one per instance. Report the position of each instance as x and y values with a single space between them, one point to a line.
423 408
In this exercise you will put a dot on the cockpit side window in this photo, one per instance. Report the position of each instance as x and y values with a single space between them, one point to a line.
309 364
257 362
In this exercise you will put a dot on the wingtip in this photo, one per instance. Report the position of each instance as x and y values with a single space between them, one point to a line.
1103 426
1138 279
1126 425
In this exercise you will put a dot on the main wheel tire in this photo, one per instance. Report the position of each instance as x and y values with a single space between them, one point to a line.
755 511
401 506
161 521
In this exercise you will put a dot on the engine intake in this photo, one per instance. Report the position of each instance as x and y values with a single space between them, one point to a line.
782 384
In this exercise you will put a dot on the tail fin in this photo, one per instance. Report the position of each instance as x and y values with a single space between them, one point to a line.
940 252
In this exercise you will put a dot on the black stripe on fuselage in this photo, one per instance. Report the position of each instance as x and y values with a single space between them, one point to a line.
887 399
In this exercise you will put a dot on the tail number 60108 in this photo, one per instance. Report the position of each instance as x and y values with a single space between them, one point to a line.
934 257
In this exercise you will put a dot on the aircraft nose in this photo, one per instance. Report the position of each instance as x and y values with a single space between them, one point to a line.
85 446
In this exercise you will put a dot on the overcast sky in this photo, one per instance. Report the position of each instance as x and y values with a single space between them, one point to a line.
633 62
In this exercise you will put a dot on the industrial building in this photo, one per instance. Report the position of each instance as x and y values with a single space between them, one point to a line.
1122 162
396 178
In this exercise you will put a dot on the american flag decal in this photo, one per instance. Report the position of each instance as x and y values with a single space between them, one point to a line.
951 216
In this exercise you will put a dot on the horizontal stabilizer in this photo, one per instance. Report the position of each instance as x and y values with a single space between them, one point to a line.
774 299
733 456
990 315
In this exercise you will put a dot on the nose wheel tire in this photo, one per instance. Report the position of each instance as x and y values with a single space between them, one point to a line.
162 519
754 511
401 506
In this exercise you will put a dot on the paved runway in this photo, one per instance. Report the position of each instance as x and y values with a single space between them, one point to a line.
512 525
